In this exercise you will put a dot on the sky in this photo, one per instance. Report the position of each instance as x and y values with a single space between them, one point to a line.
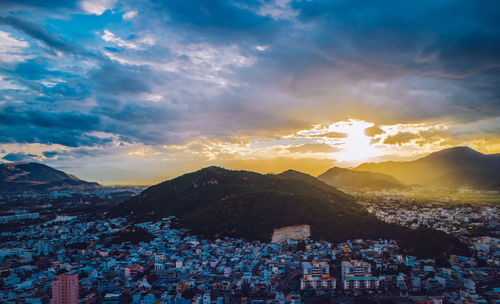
136 92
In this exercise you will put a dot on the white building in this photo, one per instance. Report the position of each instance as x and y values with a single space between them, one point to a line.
316 275
357 275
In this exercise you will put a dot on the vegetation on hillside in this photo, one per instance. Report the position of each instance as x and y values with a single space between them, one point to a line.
359 180
449 168
215 202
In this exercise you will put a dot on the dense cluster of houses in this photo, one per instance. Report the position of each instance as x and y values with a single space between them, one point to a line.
177 267
19 216
459 221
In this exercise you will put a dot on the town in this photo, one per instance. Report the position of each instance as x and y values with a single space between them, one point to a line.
94 259
462 221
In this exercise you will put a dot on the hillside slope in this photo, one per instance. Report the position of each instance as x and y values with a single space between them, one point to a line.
25 176
215 202
358 180
453 167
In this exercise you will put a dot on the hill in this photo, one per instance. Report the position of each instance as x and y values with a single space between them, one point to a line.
313 181
358 180
25 176
215 202
453 167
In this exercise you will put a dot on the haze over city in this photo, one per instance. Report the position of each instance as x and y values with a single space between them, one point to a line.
134 92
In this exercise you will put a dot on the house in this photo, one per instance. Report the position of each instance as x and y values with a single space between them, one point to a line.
134 270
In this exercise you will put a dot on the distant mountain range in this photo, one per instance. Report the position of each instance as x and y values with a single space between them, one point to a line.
359 180
26 176
453 167
215 202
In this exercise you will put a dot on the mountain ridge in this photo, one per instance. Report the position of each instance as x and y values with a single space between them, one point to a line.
358 180
31 176
451 167
215 202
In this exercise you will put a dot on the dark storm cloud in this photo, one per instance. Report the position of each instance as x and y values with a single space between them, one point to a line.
50 114
38 4
20 125
73 89
218 14
124 112
18 156
222 21
65 120
118 109
448 50
113 77
142 124
50 154
75 153
444 38
32 74
33 134
37 32
34 70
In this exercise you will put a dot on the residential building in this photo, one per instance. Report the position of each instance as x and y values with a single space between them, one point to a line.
316 275
357 275
65 289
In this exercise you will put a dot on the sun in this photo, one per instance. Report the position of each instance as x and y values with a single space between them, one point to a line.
355 147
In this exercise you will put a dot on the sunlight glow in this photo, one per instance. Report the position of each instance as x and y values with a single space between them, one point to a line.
356 146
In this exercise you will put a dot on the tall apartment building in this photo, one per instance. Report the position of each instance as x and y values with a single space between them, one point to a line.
316 275
65 289
358 275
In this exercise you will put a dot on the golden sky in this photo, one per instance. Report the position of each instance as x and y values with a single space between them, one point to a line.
313 150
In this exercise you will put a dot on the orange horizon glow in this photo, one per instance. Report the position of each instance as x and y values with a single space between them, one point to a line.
313 151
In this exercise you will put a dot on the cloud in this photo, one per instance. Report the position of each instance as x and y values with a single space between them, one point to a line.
38 4
220 21
112 77
37 32
34 70
331 135
96 7
33 126
11 49
135 44
372 131
400 138
18 156
487 127
431 136
377 44
312 148
80 153
150 74
394 29
50 154
108 36
129 15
